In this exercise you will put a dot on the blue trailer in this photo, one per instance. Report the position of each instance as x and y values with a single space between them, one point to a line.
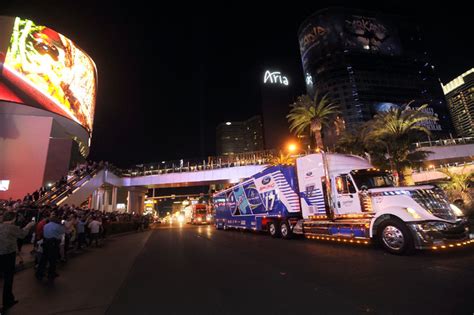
267 201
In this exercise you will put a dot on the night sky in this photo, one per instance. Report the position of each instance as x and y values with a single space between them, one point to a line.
169 75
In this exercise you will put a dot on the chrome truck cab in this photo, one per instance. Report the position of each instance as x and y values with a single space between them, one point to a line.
352 201
434 223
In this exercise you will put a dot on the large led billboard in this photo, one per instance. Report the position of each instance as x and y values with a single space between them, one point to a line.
42 68
341 30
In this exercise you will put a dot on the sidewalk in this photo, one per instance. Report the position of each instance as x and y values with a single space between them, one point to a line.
28 254
87 283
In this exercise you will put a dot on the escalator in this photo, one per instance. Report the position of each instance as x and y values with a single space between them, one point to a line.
78 186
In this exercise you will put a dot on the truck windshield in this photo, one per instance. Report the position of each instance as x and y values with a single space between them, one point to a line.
201 211
372 179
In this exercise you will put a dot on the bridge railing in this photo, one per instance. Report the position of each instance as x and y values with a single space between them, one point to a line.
217 162
444 142
441 167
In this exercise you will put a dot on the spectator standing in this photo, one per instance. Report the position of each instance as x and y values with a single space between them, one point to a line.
9 233
81 232
52 235
20 222
94 227
68 227
36 195
42 191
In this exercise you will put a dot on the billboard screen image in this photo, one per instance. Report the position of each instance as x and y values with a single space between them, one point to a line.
51 70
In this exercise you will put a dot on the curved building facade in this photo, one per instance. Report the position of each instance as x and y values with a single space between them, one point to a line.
367 63
48 89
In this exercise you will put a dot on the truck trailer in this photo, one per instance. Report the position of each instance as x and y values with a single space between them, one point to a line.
342 198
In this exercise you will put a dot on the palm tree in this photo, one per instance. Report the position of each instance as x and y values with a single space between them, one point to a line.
282 159
312 114
458 186
396 130
353 143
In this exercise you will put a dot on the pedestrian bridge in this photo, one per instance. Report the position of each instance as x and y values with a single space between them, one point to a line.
138 182
191 178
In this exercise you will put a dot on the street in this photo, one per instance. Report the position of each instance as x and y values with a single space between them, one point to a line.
199 270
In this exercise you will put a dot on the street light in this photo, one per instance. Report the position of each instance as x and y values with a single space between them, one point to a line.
292 147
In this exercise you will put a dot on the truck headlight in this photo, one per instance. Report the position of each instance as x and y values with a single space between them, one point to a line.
413 213
199 219
434 226
457 211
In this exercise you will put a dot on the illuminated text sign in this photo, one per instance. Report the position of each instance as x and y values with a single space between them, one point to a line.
275 77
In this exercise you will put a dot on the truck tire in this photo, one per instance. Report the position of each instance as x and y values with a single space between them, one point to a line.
273 230
285 230
395 237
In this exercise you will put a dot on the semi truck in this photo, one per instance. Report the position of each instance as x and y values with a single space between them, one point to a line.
200 214
342 198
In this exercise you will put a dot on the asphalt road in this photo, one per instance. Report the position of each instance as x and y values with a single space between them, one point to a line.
198 270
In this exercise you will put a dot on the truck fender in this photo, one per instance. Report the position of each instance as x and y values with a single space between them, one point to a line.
398 213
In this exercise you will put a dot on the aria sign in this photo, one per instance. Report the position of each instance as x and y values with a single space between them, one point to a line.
275 78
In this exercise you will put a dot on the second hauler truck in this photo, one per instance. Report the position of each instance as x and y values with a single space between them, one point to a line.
342 198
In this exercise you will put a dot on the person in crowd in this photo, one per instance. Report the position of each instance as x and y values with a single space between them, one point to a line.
94 227
69 229
81 232
20 222
52 235
39 236
28 198
36 195
42 191
9 233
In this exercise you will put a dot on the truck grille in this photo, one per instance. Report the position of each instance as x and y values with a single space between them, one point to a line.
435 202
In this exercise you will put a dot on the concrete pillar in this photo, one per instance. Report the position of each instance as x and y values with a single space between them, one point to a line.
114 198
129 201
95 201
136 199
106 200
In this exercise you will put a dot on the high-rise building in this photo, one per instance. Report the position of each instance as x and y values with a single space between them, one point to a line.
277 93
460 96
368 62
240 136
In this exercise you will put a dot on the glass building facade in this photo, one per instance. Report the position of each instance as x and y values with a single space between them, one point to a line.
367 63
240 136
460 96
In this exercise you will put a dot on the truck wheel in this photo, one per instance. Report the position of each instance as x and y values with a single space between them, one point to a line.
272 229
395 237
285 230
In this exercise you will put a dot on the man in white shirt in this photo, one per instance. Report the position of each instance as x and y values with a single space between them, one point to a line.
94 226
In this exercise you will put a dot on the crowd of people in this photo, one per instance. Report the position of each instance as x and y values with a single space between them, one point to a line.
54 231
